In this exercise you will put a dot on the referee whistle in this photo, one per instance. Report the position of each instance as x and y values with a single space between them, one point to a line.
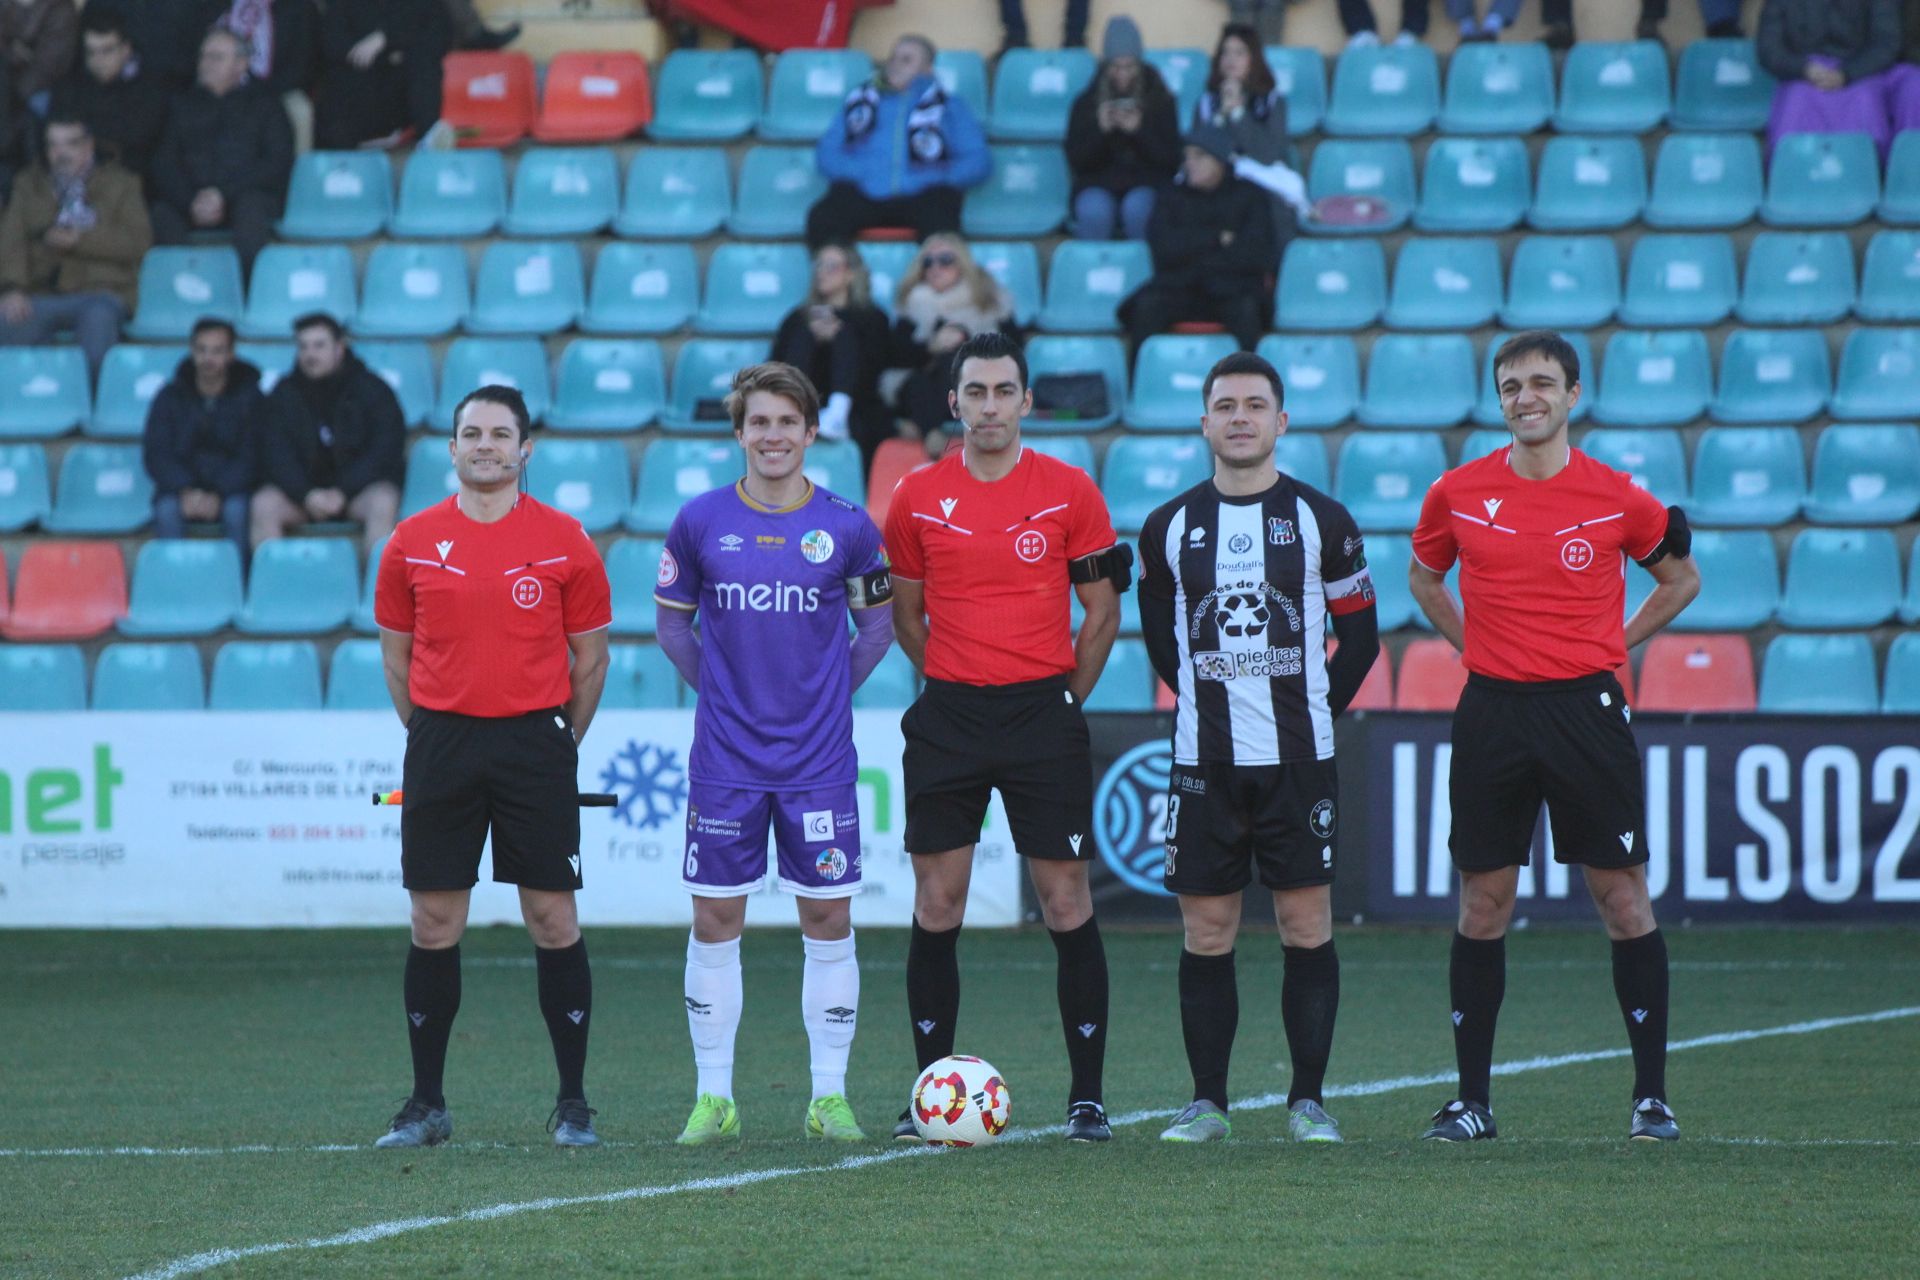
587 799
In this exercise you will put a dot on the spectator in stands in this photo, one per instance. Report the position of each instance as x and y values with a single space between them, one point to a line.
944 298
13 148
334 441
900 154
1013 22
1903 91
838 338
1267 17
1123 139
1242 99
1363 29
468 31
1214 253
39 38
202 443
71 241
1722 18
381 83
123 104
1831 58
280 37
226 155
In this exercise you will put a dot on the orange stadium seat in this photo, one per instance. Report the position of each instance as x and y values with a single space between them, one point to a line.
1431 676
1697 673
892 460
67 591
594 96
488 97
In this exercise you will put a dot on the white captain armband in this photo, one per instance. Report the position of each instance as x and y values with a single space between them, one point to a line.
1114 564
870 589
1678 543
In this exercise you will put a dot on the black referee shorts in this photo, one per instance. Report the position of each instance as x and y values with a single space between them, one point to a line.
1029 740
514 775
1223 820
1565 742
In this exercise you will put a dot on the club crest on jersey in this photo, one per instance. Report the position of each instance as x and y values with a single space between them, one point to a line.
1239 544
830 865
817 546
1280 532
669 570
1031 545
1493 506
1196 537
1321 819
527 591
1576 553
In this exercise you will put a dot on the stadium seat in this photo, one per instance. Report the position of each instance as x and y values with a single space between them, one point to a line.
1300 74
807 90
1656 379
1086 281
1879 375
520 363
266 675
1819 675
1387 90
535 287
26 496
184 587
487 97
407 367
640 678
1841 578
1431 676
1473 184
1025 196
356 678
1773 375
707 95
1498 88
274 360
1321 376
888 260
1796 277
587 479
150 677
680 193
1305 459
594 95
1451 283
1890 277
963 74
1387 560
1900 201
1051 354
777 187
295 280
103 488
1901 696
1697 673
1865 475
44 391
414 291
363 619
1486 408
1382 478
835 465
1075 450
181 285
130 377
642 288
1822 180
42 677
1185 72
1033 91
1748 476
300 586
633 567
1169 372
563 191
702 375
430 476
607 385
1705 180
1909 603
1141 472
891 462
751 287
1562 282
1720 85
672 471
66 591
1016 265
1653 456
1613 88
1418 380
453 195
1679 280
1589 184
1331 284
1482 441
1376 171
893 685
1739 581
1126 683
338 195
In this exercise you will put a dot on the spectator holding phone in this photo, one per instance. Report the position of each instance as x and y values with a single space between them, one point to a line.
1123 140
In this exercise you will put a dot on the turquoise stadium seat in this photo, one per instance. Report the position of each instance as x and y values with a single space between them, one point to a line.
356 678
1185 72
1033 92
1498 88
44 391
1796 277
640 678
563 191
1418 380
363 619
1589 184
1141 472
26 495
520 363
1387 561
407 367
130 377
1129 613
587 479
633 567
706 95
184 587
1879 375
1865 475
1382 478
103 489
338 195
893 685
1902 694
1841 578
1075 451
274 360
1705 180
807 90
1822 180
1739 581
702 376
414 291
1679 280
1890 277
1451 283
1486 409
430 476
1374 169
1169 373
1330 284
1773 375
1025 195
1819 675
1654 379
1300 74
451 194
1051 354
1473 184
1562 282
1385 91
1482 441
835 466
300 586
1086 281
751 287
180 285
675 193
1720 85
42 677
1614 88
1305 459
1900 201
608 385
1016 265
532 287
888 260
672 471
295 280
777 187
266 675
1748 476
1910 602
642 288
1126 683
963 74
149 677
1653 456
1321 375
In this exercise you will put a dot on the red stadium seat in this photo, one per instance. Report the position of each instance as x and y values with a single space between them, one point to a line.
594 96
1376 691
3 589
1431 676
1164 699
488 97
67 591
1198 326
889 235
1697 673
892 460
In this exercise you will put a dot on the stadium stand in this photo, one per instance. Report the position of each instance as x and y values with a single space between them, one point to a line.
594 95
1589 184
451 194
1474 184
300 586
1720 85
42 677
1769 375
563 191
1679 280
151 677
893 685
130 377
1331 284
777 187
1373 176
181 284
1562 282
1703 180
1822 180
633 566
608 386
1445 284
1321 375
1382 478
1797 278
413 291
184 587
675 192
1384 91
266 675
1498 88
1697 673
1748 476
707 95
1418 380
487 97
102 489
1654 457
1431 676
1049 355
1033 90
1866 474
25 495
1301 74
66 591
1879 375
338 195
537 287
1168 374
1900 694
295 280
639 677
1141 472
44 391
356 678
807 89
1819 675
1613 88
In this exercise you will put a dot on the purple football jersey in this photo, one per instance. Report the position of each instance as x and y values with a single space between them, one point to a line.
772 588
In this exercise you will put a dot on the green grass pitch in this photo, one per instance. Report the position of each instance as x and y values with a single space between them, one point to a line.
1800 1154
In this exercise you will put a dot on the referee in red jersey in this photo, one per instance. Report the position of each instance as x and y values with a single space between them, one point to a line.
1542 533
986 545
493 610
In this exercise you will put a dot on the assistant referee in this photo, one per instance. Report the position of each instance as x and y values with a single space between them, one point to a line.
493 611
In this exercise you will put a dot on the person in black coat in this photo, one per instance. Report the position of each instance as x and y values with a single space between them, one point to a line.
113 92
1123 140
381 73
168 32
202 442
839 339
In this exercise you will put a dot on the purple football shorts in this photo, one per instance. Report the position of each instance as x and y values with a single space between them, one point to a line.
816 833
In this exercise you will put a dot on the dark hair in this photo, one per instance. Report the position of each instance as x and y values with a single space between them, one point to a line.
991 345
319 320
66 120
1260 80
207 324
777 379
495 393
105 19
1244 362
1538 342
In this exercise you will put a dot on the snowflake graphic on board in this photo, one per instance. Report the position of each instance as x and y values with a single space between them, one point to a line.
650 781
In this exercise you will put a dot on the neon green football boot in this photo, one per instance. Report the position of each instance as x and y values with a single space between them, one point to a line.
713 1118
831 1118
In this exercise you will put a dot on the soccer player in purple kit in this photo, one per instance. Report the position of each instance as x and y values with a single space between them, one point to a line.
773 564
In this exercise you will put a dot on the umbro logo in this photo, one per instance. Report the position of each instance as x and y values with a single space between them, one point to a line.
926 1026
443 547
574 1016
1493 506
1639 1015
1197 537
1086 1029
1074 840
1458 1017
947 505
841 1011
417 1019
1626 841
695 1006
573 860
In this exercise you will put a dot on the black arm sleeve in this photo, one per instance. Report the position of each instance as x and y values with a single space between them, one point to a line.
1157 622
1359 636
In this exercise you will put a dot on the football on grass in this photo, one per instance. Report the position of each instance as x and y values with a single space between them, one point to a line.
960 1102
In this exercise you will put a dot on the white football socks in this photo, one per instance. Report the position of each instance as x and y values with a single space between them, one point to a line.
829 1000
713 1010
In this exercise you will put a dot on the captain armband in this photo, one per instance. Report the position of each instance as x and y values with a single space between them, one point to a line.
1677 543
1115 564
870 590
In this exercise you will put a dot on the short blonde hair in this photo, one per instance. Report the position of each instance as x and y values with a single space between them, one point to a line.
777 379
979 281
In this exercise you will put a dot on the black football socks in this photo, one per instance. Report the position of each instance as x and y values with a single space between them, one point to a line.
1081 985
933 991
1209 1017
1309 1000
566 1002
1477 981
431 989
1640 983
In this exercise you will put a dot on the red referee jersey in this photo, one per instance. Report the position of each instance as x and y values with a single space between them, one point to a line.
490 606
993 558
1541 561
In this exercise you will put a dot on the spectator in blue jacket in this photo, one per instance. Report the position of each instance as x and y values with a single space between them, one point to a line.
900 155
202 444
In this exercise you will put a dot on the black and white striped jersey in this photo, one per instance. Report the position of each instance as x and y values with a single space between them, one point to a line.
1251 583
